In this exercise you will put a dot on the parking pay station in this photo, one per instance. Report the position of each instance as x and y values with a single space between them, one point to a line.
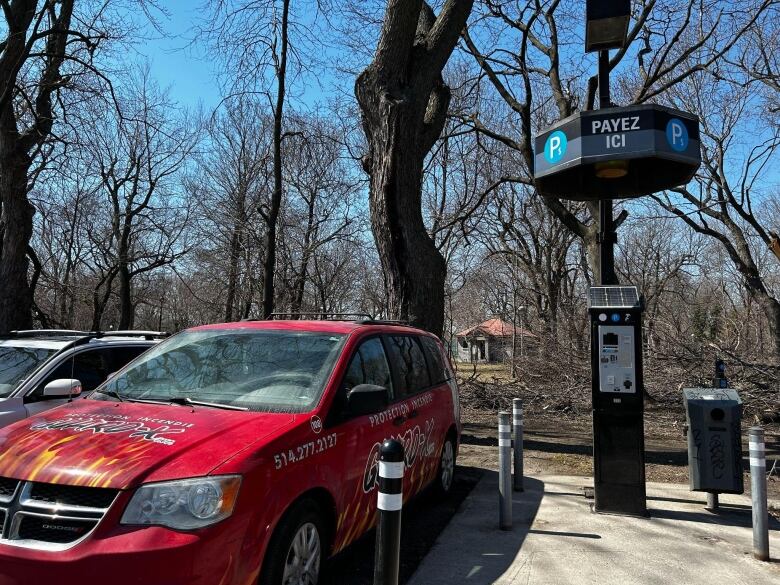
602 155
618 405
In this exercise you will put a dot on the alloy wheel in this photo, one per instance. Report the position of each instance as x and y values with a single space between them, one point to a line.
302 566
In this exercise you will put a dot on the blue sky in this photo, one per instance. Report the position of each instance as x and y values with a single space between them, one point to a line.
177 66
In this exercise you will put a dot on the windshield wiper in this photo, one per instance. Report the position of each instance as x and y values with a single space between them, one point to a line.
186 401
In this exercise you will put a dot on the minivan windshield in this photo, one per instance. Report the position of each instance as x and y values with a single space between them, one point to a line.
260 370
17 363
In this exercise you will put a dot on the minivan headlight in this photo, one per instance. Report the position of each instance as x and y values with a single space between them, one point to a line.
184 504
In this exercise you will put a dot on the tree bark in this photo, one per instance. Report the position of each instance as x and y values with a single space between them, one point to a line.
272 218
16 217
403 102
126 306
16 225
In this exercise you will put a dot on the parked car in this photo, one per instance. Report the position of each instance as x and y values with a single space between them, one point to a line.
226 454
41 369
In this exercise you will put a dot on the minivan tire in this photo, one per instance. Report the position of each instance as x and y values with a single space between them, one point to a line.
292 542
445 476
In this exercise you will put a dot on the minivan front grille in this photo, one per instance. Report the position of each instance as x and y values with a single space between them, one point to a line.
51 516
68 495
59 531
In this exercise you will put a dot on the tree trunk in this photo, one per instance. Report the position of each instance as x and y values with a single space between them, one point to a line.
126 307
403 102
414 268
269 266
300 283
16 226
771 308
232 274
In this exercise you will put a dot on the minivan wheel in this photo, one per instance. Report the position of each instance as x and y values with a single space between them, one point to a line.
446 473
295 554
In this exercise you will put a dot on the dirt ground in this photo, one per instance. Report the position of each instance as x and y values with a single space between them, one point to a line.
563 446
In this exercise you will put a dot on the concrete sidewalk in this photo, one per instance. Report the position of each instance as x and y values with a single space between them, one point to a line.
558 540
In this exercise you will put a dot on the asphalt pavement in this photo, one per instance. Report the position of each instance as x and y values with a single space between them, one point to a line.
556 539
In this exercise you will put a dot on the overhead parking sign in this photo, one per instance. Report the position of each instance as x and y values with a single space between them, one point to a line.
658 146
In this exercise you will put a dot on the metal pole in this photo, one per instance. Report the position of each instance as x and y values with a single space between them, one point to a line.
389 502
712 502
607 235
505 470
517 423
604 99
758 493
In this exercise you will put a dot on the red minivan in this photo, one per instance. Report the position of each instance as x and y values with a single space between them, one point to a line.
228 454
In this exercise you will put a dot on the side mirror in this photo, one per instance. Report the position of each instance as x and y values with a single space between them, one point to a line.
62 388
366 399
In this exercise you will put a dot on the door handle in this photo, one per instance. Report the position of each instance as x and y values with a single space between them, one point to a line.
399 420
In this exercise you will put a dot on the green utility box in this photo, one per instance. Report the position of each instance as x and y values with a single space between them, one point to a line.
714 417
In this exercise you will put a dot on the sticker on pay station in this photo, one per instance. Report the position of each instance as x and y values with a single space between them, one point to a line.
677 135
555 147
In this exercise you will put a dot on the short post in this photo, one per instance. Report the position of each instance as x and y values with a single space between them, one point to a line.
758 493
712 502
505 470
517 423
389 502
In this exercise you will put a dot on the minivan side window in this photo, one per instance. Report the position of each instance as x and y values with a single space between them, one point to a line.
367 366
439 372
408 359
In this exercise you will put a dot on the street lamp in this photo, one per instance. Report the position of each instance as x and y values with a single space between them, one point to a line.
606 24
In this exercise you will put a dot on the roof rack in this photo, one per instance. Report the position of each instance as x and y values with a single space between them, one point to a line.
323 316
86 336
133 333
383 322
48 333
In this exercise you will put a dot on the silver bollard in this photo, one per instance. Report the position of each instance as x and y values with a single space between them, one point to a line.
758 493
712 502
505 470
517 423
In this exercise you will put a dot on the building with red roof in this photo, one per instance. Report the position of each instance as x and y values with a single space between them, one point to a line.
492 341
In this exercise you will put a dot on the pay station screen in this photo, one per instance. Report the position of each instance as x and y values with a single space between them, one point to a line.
617 370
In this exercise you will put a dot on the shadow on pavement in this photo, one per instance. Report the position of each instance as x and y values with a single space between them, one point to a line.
478 552
726 516
423 520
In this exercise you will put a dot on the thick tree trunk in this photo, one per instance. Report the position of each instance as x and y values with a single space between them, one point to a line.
403 102
16 229
414 269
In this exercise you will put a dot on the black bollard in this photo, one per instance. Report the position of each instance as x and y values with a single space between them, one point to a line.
389 503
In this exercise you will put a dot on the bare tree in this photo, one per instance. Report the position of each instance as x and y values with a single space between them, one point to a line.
403 101
541 81
725 202
136 160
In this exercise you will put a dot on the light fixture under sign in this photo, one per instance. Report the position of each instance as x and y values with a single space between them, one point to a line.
613 169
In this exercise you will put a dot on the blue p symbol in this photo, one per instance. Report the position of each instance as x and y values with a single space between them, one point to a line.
677 135
555 147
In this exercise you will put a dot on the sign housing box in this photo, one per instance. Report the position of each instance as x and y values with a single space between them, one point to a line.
656 147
